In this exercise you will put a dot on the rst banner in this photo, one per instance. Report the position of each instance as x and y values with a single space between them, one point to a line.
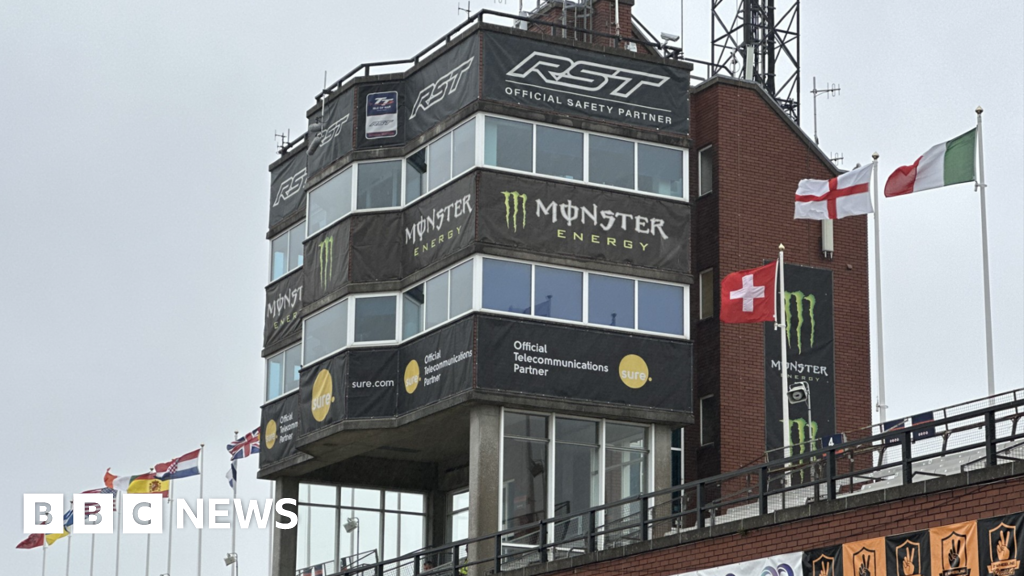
322 393
551 217
325 262
779 565
279 429
281 317
810 338
287 184
582 364
334 139
442 87
581 82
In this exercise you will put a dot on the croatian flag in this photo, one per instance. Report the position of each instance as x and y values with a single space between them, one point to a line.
181 467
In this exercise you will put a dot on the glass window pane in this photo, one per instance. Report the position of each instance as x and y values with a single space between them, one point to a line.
660 308
410 533
412 502
560 153
508 144
705 171
440 162
708 420
464 145
391 528
660 170
364 498
524 485
391 500
625 436
506 286
412 311
320 494
329 201
292 363
415 169
437 300
461 289
526 425
625 476
611 162
317 526
297 235
610 301
558 294
707 294
275 376
325 332
278 257
375 319
576 431
460 501
379 184
576 483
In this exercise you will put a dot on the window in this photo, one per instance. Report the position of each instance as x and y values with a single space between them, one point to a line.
412 311
325 332
625 469
283 372
525 465
458 518
437 300
415 172
708 420
461 288
286 252
560 153
508 144
577 467
611 162
660 170
464 148
705 171
506 286
375 318
328 202
440 162
379 184
660 308
558 294
611 301
707 293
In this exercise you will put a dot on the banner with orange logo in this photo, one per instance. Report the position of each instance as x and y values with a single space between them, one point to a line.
824 561
864 558
954 549
1001 540
908 554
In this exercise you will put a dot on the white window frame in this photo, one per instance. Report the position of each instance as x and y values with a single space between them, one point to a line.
283 353
352 319
700 172
700 292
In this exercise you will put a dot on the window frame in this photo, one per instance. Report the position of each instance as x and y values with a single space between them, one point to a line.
270 266
351 170
700 172
283 353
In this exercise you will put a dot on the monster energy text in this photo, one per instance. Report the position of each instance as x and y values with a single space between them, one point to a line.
435 219
325 254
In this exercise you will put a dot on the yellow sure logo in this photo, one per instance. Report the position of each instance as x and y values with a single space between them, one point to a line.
323 395
270 434
412 376
633 371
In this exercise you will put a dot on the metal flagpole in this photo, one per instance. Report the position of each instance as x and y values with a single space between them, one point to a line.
984 264
781 325
44 558
120 526
67 569
878 296
199 553
234 512
92 554
170 528
148 536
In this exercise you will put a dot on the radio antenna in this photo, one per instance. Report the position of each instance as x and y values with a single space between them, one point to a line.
828 92
468 9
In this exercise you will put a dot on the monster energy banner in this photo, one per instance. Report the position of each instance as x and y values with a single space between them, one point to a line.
325 262
908 555
375 247
334 139
551 217
279 428
436 366
284 300
581 364
438 226
811 354
322 393
381 109
824 561
442 87
372 387
287 182
1001 541
568 80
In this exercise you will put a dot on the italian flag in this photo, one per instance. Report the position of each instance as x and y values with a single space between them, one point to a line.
942 165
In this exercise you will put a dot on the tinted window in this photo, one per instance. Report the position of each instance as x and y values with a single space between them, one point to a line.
275 376
611 162
610 301
707 294
330 201
412 311
437 300
560 153
440 162
660 170
375 319
279 256
461 285
660 308
506 286
379 184
526 425
415 171
508 144
292 363
295 247
325 332
558 294
705 171
464 145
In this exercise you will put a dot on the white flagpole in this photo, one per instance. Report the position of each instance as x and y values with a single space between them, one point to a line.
781 324
234 515
120 527
92 555
170 528
67 569
878 295
199 553
44 558
148 536
984 262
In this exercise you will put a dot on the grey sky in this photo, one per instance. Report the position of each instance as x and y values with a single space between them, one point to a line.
134 186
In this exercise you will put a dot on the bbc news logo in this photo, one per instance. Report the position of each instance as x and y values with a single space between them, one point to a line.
144 513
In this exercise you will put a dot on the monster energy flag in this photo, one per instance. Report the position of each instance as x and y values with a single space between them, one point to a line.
279 428
334 139
811 354
284 301
325 262
287 182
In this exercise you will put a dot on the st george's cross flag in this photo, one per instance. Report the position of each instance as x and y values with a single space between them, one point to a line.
845 195
944 164
181 467
749 295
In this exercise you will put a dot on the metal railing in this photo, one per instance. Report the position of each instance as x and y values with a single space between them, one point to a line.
988 436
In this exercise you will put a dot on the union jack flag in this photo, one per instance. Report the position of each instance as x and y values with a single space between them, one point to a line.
245 446
104 491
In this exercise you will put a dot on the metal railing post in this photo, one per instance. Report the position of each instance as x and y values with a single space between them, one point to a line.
990 438
907 457
455 561
762 483
592 534
497 553
543 542
416 565
645 518
700 505
830 474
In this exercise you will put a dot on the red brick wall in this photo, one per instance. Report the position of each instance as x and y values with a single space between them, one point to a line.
758 162
891 518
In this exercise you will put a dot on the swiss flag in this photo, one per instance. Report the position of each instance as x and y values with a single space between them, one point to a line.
749 296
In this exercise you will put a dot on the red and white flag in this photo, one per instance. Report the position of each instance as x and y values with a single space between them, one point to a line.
181 467
845 195
749 295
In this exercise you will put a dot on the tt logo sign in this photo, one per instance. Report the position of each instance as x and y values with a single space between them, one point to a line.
442 87
562 72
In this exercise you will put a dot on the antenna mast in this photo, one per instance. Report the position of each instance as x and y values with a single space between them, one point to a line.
828 92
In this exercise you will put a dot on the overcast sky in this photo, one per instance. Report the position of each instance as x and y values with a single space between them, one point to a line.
136 139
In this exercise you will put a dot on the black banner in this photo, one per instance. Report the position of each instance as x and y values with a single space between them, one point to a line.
442 87
335 137
326 261
372 389
284 301
322 393
810 340
824 561
381 109
580 364
439 225
568 80
551 217
375 247
1001 541
435 366
908 554
279 428
287 186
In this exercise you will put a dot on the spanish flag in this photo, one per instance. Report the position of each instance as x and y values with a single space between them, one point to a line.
140 484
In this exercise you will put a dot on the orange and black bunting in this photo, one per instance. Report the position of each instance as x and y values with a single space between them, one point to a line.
1000 542
954 550
908 554
824 561
864 558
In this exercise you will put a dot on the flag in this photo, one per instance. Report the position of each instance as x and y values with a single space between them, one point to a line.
117 483
246 445
106 490
942 165
33 541
749 295
68 521
148 484
232 474
845 195
180 467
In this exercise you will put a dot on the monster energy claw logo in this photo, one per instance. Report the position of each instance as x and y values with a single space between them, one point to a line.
512 210
799 298
325 251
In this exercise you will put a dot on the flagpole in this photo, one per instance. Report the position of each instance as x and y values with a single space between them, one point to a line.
120 527
170 529
67 568
878 294
785 362
92 555
44 558
984 264
234 515
199 553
